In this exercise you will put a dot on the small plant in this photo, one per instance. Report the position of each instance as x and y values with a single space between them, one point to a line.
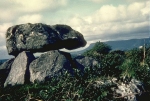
111 62
128 70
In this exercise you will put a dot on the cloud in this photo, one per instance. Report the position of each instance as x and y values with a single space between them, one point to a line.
4 54
2 47
34 18
106 13
3 51
6 15
137 1
2 43
129 1
111 22
97 1
4 27
11 9
39 5
110 13
146 11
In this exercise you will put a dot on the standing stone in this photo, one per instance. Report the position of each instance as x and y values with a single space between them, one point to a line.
41 37
50 64
19 73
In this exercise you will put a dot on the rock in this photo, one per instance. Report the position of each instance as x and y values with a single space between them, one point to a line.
41 38
50 64
83 63
130 91
5 69
19 73
71 39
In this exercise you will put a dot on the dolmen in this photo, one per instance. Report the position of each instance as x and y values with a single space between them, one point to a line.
25 39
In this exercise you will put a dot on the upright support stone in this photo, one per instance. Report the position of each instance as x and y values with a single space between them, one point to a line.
50 64
19 73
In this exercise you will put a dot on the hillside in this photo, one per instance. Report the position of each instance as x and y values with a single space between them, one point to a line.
120 44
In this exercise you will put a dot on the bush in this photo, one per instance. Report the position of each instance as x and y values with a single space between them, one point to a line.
111 62
136 66
99 50
136 55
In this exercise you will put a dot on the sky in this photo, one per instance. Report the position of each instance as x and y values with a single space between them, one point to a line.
97 20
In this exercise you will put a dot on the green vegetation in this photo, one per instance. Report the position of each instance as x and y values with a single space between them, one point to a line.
123 65
65 88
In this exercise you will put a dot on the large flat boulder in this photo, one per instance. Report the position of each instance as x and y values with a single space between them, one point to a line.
48 65
41 37
19 73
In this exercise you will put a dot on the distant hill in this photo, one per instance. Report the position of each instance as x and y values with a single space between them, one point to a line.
120 44
3 60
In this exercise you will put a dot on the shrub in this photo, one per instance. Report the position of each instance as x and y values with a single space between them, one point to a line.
111 62
98 51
